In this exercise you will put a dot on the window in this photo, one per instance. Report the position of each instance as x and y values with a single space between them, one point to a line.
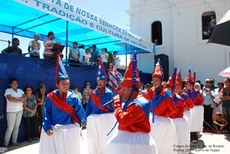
157 33
208 24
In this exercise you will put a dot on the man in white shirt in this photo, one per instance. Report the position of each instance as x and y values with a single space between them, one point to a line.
14 107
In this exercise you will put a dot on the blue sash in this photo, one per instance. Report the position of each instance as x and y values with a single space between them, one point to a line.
185 96
176 100
194 94
158 99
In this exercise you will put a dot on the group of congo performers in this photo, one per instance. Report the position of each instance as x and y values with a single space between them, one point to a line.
126 120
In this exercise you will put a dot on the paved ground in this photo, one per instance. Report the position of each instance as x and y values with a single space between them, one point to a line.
208 144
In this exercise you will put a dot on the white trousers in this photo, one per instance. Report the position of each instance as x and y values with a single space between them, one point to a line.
98 126
65 140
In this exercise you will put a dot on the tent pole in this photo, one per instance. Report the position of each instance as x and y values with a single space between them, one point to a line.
12 33
66 43
126 56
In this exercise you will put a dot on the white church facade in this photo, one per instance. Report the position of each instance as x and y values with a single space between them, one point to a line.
181 29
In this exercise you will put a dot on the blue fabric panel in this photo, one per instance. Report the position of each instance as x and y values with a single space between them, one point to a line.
32 71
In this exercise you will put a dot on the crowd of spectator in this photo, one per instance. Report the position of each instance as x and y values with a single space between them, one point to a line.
78 55
29 106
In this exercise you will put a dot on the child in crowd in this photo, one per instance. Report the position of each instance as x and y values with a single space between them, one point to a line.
219 122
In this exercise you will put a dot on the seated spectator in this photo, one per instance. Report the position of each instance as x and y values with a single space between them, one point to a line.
40 96
14 49
34 47
87 57
14 108
86 95
29 115
206 33
219 122
104 57
75 89
74 54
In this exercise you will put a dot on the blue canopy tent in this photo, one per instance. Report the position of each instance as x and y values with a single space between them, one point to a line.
69 23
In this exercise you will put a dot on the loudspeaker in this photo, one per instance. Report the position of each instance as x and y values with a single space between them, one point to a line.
165 64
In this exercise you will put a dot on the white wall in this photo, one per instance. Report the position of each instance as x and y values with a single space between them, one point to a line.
182 35
190 51
141 19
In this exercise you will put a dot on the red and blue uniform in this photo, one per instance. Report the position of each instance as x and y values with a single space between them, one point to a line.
53 115
187 99
196 97
162 103
135 115
98 97
180 107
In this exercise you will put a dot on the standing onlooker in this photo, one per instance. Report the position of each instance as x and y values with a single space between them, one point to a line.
74 54
34 47
212 23
95 54
82 52
104 58
14 107
48 45
40 96
86 94
75 89
225 96
217 101
29 114
116 60
208 105
114 77
212 84
14 49
87 60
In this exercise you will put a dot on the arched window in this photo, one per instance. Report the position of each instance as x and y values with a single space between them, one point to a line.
208 23
157 32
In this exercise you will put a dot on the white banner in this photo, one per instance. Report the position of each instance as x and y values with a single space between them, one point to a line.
72 13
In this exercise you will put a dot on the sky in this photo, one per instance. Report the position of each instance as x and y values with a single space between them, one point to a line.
111 10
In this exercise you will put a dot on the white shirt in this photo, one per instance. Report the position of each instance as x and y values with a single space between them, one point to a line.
14 106
87 57
74 52
104 57
82 52
35 46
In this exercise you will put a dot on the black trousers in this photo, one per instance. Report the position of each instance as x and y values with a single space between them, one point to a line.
207 116
31 124
193 136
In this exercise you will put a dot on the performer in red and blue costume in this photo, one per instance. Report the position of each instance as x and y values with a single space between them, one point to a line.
162 128
185 96
180 121
198 109
133 117
63 115
100 119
